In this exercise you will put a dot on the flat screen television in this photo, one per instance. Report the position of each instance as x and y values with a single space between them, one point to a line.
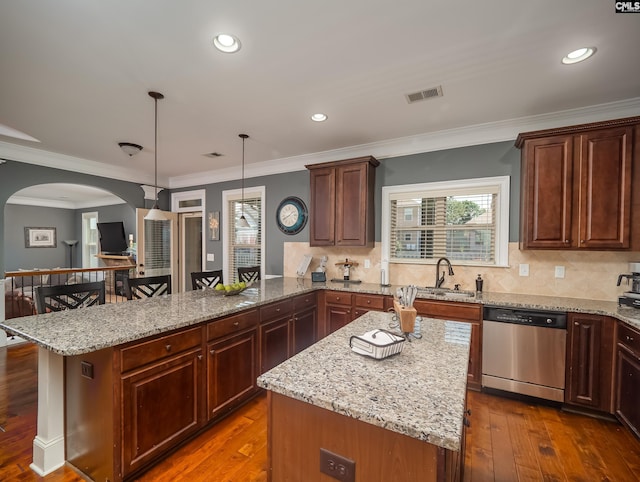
112 238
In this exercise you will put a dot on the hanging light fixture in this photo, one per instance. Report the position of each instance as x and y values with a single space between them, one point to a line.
156 214
242 222
130 148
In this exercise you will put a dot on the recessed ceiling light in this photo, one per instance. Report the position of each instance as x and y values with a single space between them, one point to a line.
226 43
319 117
578 55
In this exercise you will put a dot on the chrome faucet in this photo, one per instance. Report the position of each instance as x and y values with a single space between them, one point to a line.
440 279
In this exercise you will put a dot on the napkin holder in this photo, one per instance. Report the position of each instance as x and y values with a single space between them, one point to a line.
406 315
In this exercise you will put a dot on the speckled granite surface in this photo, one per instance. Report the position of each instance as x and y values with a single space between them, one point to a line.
420 392
87 330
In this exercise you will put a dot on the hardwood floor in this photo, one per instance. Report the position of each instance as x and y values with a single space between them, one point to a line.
508 440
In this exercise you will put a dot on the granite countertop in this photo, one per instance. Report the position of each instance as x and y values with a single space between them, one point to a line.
75 332
419 392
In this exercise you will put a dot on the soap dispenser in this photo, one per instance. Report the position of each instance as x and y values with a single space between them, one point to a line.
479 282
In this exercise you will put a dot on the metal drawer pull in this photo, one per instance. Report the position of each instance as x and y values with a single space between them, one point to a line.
168 347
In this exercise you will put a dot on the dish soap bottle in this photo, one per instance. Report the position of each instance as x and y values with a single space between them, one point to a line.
479 282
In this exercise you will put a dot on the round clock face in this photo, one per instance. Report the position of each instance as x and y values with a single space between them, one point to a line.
291 215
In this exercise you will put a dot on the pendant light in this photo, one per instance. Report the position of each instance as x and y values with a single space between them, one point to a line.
242 222
156 214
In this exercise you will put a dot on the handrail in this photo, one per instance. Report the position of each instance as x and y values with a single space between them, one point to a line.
40 272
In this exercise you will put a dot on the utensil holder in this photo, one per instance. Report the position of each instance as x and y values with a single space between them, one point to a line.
407 316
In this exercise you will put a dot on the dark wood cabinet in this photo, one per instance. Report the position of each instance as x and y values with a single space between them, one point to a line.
628 378
160 407
576 186
341 209
286 328
590 356
338 311
232 362
466 312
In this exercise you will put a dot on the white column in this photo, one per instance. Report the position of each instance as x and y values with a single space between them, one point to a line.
48 446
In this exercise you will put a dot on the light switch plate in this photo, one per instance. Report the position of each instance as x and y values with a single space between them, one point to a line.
211 257
367 263
524 270
559 271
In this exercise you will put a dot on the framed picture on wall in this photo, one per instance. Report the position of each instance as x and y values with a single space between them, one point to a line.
214 226
40 238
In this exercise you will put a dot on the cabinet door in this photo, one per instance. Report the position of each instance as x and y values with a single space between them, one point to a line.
323 207
231 372
305 327
351 204
590 361
628 396
547 192
605 188
274 343
160 407
474 374
337 316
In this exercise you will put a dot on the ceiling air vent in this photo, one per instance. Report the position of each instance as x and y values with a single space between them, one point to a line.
424 94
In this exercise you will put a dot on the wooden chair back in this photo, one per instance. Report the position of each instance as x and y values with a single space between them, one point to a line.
69 297
139 288
206 279
250 274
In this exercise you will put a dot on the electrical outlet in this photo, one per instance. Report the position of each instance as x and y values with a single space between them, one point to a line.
524 270
367 263
559 271
336 466
211 257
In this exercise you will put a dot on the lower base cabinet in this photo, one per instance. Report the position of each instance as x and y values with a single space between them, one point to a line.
628 378
590 362
465 312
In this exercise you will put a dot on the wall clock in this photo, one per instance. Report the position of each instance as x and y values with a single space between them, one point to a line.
291 215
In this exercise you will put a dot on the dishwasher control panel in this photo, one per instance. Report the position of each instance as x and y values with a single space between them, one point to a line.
549 319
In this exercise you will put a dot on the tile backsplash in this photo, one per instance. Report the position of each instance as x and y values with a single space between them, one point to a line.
588 274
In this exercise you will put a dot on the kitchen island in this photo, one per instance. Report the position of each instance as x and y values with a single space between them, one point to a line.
400 418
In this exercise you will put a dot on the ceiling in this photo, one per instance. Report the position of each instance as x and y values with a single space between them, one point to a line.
76 73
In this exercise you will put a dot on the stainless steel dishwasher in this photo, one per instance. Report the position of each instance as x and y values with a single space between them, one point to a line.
523 351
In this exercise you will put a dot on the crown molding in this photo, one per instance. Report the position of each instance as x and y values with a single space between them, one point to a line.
500 131
506 130
40 157
56 203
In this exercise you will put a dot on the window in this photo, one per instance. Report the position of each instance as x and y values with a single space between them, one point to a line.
243 246
466 221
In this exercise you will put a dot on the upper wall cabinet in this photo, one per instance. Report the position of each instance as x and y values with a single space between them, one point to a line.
576 190
341 211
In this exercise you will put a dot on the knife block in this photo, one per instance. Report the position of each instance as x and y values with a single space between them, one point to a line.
407 316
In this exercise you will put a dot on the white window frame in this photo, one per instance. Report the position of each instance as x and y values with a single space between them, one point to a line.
502 183
234 195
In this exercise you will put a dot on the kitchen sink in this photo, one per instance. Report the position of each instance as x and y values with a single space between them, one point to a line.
446 292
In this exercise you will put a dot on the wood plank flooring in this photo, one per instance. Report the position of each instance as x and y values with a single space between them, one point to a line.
508 440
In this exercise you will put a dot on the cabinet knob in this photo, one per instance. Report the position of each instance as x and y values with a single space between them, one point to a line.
576 323
582 241
212 351
466 422
237 323
629 338
368 302
566 241
199 357
277 310
468 411
337 298
167 347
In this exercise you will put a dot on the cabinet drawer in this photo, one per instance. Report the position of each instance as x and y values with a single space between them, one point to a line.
338 298
275 310
232 324
448 310
155 350
371 302
629 338
303 302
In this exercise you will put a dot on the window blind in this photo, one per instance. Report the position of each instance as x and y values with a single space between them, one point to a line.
460 225
245 243
157 247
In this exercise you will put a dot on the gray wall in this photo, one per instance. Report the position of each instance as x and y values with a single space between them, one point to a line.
485 160
17 217
15 176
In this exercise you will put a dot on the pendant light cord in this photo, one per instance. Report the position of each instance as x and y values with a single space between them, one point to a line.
243 137
155 153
